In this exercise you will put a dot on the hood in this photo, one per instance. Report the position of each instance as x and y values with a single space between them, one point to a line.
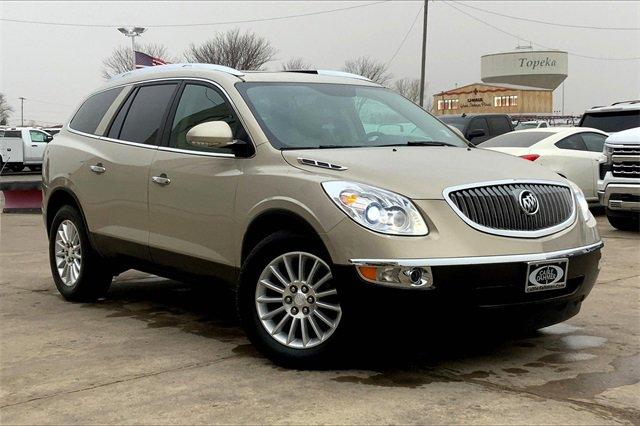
419 172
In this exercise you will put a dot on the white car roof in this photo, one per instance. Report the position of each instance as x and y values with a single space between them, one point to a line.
621 106
629 135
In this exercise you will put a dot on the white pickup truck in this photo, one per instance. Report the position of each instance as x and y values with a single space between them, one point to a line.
20 147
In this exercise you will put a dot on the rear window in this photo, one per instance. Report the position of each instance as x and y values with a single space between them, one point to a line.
612 121
517 139
144 117
92 110
12 134
499 125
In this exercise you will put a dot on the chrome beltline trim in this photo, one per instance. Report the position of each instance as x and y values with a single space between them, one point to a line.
510 233
480 260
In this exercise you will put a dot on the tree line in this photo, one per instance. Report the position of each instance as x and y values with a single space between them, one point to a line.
250 51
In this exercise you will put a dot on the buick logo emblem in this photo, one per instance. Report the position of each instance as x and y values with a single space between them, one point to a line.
528 202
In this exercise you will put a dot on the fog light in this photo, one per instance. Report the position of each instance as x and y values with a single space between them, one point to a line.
401 276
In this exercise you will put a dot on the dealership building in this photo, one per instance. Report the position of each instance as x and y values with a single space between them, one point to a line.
520 82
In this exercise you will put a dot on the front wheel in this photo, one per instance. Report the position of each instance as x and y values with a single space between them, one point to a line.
629 222
289 303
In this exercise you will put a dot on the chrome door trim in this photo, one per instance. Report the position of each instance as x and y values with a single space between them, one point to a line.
480 260
508 233
202 153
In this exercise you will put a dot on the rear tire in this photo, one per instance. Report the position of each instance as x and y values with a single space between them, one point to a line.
625 223
35 168
78 271
314 313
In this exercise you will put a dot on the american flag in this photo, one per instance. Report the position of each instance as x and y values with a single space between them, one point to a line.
143 60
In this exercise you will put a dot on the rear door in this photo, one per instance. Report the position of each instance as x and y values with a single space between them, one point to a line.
114 189
35 143
191 208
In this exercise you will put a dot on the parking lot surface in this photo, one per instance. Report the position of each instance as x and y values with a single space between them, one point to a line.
160 351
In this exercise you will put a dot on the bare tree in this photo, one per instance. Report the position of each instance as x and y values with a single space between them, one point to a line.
369 68
409 88
5 109
247 51
121 59
295 64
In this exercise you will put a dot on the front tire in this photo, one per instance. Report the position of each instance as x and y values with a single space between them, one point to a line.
288 301
625 223
78 271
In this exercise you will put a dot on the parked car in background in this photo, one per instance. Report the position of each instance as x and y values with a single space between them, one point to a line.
619 184
615 118
20 147
478 128
539 124
270 182
573 152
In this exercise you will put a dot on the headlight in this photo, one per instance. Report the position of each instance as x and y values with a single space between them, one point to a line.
583 206
608 152
377 209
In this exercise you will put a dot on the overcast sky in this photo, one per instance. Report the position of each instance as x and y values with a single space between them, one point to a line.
55 66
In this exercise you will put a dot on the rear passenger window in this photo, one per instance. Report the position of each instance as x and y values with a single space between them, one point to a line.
594 141
573 142
92 110
144 116
498 125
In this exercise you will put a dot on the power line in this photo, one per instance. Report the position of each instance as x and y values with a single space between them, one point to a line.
534 43
201 24
556 24
405 36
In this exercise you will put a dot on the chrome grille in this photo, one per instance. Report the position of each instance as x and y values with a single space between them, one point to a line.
495 207
626 161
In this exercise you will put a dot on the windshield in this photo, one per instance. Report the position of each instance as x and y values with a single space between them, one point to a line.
612 121
320 115
517 139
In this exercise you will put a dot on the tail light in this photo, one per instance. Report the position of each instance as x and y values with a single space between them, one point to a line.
530 157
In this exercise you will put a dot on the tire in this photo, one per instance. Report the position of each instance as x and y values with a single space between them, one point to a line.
35 168
323 342
92 278
625 223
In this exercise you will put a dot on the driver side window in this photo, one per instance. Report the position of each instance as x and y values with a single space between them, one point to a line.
199 104
37 136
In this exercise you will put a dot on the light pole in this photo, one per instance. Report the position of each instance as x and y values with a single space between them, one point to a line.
22 110
132 32
424 50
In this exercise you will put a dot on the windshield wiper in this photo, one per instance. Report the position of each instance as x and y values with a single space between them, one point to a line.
428 143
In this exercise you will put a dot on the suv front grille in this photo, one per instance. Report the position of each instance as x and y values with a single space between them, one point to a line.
495 208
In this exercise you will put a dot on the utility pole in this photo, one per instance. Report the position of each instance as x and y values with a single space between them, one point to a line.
132 32
22 110
424 50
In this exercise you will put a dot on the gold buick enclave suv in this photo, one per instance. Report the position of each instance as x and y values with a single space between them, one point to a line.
314 194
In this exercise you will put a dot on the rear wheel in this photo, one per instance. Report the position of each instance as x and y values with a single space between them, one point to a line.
78 271
289 303
35 168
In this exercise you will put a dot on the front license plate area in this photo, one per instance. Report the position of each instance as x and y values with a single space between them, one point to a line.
546 275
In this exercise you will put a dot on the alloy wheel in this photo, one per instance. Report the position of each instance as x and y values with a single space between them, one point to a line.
296 300
68 252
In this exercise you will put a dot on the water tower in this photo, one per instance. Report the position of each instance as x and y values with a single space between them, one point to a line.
545 69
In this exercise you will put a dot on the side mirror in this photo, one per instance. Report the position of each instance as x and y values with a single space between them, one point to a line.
476 133
212 134
48 138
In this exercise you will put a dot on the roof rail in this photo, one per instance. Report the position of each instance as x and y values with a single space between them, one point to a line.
332 73
168 67
626 102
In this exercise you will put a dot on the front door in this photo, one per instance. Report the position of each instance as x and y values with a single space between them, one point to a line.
35 143
192 189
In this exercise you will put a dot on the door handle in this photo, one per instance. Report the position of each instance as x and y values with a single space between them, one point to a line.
34 146
161 180
98 168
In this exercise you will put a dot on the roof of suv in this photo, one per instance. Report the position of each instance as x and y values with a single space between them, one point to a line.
219 72
618 106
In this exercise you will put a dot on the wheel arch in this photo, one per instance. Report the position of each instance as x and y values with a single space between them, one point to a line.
273 220
62 197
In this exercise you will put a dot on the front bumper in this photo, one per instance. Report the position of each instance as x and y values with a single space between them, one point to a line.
485 289
622 196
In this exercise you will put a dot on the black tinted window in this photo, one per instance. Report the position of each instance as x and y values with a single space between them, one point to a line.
499 125
573 142
517 139
12 134
479 124
116 125
92 110
199 104
594 141
612 121
143 121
